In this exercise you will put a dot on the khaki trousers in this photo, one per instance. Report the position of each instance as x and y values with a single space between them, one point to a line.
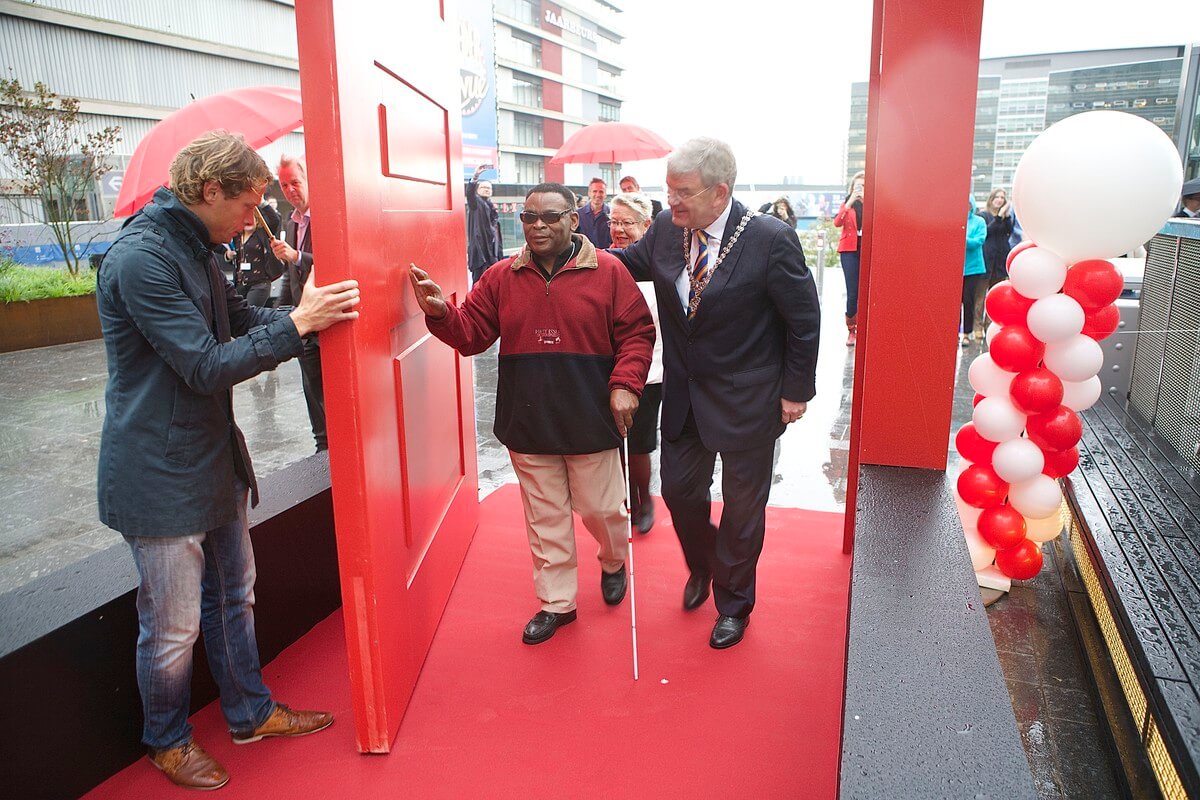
553 486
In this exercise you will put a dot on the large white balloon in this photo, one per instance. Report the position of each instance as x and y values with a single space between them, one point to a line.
997 419
992 329
1043 530
982 553
1037 272
1082 395
1036 498
1128 170
987 378
1075 359
1055 318
1018 460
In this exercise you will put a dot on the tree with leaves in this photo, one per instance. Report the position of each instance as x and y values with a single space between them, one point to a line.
51 156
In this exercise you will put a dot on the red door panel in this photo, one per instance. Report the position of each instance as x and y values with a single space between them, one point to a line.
383 138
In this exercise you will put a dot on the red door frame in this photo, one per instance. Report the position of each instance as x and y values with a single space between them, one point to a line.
920 137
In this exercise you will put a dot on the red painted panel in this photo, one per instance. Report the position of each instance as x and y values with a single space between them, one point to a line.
555 173
920 132
552 99
379 84
552 56
552 129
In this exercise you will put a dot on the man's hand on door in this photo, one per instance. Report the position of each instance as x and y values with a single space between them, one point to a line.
428 294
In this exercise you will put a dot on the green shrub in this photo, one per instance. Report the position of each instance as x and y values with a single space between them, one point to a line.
36 283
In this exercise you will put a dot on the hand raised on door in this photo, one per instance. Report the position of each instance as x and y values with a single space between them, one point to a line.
428 294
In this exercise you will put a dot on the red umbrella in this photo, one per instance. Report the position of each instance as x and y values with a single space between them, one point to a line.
611 142
260 113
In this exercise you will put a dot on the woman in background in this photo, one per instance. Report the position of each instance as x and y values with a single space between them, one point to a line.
997 215
974 278
629 218
850 219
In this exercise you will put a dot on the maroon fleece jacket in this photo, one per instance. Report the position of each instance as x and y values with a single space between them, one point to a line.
565 344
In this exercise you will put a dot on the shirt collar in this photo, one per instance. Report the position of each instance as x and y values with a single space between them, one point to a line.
298 218
717 228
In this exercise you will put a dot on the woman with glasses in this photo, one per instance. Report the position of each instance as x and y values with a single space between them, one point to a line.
628 220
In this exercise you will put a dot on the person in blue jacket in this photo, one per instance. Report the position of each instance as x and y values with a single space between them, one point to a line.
975 281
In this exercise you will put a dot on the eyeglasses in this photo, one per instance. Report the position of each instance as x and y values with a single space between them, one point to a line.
548 217
673 197
614 223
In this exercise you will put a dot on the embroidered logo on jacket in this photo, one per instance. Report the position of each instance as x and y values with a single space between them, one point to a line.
547 335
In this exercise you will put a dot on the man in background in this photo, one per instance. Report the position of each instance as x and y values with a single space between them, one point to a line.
630 185
593 217
296 254
485 244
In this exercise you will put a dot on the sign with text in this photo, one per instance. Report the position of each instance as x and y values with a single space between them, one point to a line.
477 47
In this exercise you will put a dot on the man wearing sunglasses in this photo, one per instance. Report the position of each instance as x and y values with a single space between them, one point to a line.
575 342
738 313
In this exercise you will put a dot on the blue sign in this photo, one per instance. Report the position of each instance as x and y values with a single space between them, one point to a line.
477 45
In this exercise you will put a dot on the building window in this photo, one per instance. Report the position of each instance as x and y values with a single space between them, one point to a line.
609 112
525 51
528 131
526 90
531 170
520 10
606 80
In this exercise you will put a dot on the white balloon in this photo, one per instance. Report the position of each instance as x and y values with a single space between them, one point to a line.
1075 359
1043 530
1036 498
1037 272
1128 170
1055 318
997 419
1018 460
1081 395
987 378
982 554
992 329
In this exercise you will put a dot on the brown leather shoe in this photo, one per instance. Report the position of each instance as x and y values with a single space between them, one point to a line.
190 767
286 722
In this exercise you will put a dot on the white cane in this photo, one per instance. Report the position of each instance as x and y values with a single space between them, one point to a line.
629 540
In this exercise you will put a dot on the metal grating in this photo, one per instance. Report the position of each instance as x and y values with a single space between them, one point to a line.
1164 768
1165 384
1130 686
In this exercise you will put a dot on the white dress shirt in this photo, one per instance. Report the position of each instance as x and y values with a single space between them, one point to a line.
301 221
683 284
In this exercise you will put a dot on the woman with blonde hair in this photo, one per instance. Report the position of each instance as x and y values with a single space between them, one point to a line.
629 217
850 219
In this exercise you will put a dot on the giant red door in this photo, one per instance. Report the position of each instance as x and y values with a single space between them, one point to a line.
382 134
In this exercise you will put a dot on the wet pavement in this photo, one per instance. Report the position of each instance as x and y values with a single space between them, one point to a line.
53 404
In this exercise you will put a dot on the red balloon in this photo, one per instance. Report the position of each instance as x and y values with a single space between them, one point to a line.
1025 245
1021 562
972 446
1062 463
1001 526
1055 431
1015 349
1005 305
1093 283
1036 391
975 400
981 487
1099 323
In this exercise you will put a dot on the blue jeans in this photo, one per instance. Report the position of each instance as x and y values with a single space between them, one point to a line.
200 582
850 263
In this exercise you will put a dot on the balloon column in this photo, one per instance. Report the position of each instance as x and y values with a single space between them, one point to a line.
1091 187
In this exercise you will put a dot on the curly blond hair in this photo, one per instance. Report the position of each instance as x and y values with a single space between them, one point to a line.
217 156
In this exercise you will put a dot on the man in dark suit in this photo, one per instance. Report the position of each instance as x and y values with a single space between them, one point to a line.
296 254
740 320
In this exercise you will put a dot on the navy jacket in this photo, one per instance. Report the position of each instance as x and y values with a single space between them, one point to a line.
754 337
169 450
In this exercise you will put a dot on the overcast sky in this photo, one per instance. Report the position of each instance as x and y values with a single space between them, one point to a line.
773 79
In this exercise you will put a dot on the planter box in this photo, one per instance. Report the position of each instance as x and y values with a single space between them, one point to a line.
55 320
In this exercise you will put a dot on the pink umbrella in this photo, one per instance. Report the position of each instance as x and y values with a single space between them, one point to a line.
611 142
260 113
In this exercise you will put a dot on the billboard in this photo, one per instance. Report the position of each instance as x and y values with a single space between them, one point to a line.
477 46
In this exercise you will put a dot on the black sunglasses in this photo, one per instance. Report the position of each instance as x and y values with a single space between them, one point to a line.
548 217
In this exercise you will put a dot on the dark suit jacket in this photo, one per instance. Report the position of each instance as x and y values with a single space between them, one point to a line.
754 337
294 275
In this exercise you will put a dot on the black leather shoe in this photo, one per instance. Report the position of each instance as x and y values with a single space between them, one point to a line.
544 624
612 586
727 632
644 520
695 591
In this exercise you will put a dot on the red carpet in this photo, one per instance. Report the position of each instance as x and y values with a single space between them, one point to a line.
493 718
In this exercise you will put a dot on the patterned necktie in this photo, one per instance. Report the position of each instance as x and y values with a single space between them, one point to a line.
699 271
